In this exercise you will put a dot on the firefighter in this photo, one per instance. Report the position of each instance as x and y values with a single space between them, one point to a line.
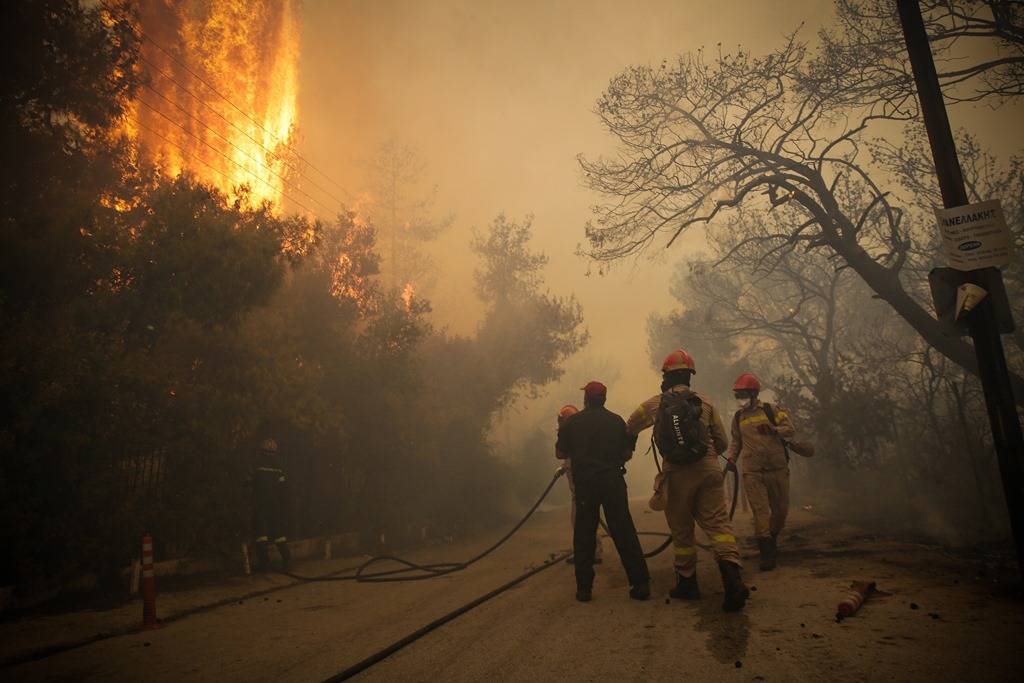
563 414
270 506
758 433
596 442
695 492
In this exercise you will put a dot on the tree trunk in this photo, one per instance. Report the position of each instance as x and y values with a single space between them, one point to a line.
971 453
887 286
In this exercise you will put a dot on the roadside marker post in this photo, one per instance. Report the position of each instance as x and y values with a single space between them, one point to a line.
149 620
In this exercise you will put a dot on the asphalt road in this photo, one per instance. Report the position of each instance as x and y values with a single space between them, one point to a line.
941 623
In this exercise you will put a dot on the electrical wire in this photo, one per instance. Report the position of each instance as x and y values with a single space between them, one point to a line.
213 130
142 34
226 157
188 156
203 103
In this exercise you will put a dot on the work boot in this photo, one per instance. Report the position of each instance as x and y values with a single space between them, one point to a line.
641 591
583 594
736 592
767 548
686 588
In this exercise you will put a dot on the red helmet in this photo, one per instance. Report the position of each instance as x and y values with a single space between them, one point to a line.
678 360
566 412
747 382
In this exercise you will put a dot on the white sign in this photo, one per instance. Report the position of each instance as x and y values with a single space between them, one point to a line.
975 235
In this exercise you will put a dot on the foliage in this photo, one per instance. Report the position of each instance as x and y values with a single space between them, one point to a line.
156 331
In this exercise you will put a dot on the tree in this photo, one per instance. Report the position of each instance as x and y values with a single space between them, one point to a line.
978 47
526 331
698 140
404 214
62 92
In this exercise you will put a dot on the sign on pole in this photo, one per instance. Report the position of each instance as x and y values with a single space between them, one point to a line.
975 235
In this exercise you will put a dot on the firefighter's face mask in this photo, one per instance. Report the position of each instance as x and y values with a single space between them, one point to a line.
744 399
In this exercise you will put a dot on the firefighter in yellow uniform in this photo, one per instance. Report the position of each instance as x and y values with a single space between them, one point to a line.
758 431
694 490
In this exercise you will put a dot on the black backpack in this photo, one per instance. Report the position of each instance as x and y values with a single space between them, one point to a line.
679 433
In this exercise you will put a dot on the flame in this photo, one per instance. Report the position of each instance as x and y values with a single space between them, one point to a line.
407 294
221 91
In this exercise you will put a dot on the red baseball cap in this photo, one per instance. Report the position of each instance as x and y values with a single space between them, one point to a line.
594 388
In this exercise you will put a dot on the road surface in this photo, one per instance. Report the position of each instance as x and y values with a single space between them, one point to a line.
943 621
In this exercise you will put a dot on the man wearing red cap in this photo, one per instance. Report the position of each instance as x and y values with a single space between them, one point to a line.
564 414
689 433
759 432
596 441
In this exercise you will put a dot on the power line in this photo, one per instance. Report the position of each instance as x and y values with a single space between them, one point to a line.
225 156
215 132
224 97
231 123
236 107
215 169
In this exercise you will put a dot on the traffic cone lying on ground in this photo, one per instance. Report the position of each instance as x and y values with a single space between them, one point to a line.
858 594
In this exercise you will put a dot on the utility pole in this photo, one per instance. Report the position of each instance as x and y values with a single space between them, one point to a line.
984 330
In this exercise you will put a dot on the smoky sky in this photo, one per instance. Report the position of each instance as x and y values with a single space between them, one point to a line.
499 97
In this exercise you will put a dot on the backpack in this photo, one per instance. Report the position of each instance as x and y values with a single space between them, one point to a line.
679 433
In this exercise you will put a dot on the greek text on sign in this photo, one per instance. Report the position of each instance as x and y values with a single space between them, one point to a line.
975 235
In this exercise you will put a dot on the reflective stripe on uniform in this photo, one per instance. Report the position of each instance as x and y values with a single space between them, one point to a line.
685 550
281 539
759 418
263 539
723 538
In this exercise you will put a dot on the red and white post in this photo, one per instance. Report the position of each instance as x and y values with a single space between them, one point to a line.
148 585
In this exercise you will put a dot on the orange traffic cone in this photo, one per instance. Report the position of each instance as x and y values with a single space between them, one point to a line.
858 594
149 620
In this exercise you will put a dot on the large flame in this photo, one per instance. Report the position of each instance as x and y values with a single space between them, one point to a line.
221 91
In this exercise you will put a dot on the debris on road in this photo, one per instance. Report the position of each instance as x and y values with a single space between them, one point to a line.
854 598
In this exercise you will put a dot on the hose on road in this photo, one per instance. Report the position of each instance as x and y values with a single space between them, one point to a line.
433 570
412 571
386 652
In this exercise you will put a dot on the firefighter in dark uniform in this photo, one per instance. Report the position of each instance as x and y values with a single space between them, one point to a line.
270 507
596 441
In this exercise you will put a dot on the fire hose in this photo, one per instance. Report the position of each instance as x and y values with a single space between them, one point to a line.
412 571
429 571
731 467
